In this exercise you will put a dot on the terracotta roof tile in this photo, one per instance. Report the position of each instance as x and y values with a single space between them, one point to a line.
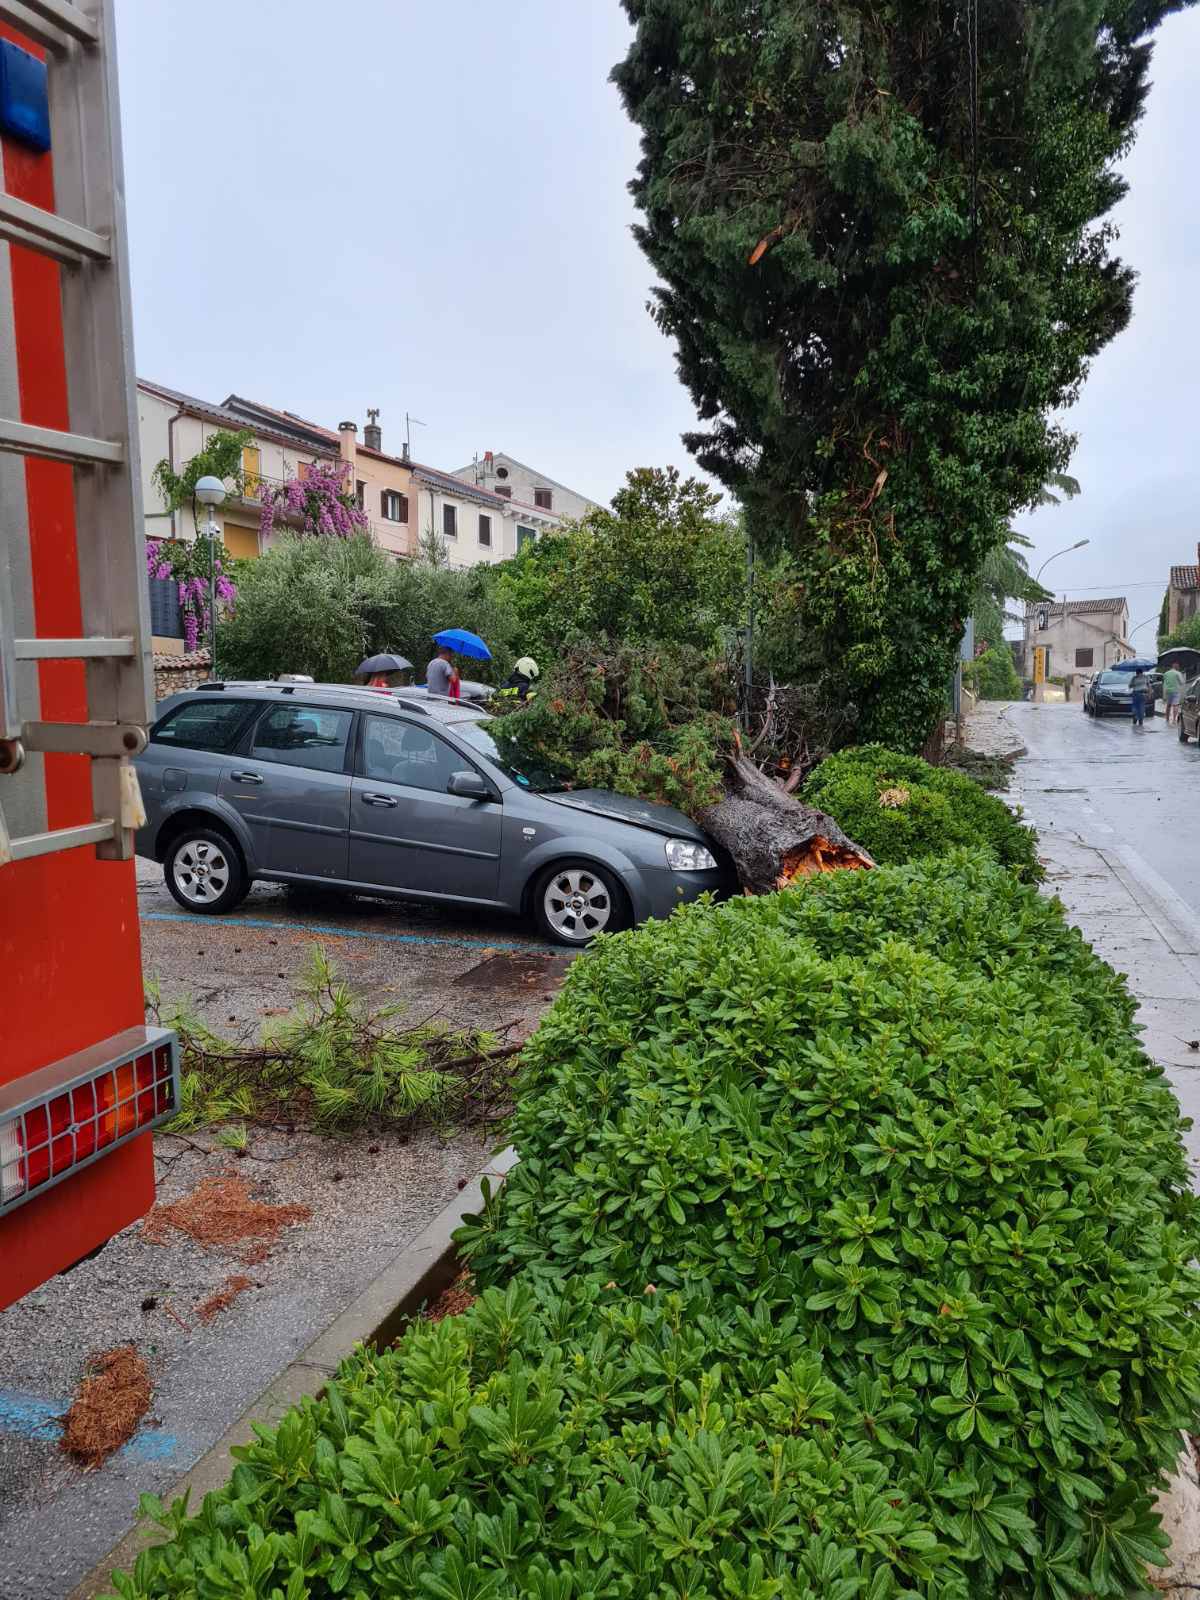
1056 608
1185 577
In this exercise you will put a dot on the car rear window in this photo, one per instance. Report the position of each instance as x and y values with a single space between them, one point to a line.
303 736
208 724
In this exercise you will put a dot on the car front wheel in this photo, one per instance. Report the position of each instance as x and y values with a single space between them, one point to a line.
574 901
204 871
1183 738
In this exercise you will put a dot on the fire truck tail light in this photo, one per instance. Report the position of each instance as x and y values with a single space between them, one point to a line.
79 1115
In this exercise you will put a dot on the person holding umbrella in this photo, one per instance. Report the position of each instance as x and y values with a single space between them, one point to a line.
441 675
382 671
1139 687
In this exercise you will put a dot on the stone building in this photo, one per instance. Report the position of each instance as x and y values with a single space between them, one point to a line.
1080 637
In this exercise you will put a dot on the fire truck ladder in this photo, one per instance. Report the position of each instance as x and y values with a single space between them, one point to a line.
88 241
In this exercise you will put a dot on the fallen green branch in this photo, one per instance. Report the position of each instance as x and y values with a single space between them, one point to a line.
337 1064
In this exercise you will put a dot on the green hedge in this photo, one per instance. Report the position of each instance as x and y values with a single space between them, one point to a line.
902 809
849 1255
557 1450
907 1109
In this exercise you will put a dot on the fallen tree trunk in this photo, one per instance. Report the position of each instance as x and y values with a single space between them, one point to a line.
774 838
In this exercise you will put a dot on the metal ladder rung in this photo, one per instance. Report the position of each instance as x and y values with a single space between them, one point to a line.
45 844
55 445
21 223
47 21
71 649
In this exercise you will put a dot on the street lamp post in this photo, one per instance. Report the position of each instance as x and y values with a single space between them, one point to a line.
1043 618
1078 545
210 492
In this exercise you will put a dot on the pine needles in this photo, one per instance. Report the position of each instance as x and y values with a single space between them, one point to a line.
336 1064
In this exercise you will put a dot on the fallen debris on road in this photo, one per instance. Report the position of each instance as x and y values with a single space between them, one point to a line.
220 1213
113 1398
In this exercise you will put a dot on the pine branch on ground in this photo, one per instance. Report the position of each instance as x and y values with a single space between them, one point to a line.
336 1064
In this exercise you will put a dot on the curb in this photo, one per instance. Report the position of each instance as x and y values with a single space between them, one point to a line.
427 1265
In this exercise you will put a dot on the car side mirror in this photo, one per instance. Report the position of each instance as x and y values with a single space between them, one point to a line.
469 786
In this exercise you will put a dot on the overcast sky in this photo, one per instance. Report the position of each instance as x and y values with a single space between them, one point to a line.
423 208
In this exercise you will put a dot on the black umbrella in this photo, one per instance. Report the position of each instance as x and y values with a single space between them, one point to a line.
381 663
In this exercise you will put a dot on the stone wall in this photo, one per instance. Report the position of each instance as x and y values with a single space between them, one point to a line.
172 674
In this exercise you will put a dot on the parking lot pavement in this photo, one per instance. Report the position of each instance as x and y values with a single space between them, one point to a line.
368 1195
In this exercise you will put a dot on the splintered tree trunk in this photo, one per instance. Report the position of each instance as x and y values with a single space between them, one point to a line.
774 838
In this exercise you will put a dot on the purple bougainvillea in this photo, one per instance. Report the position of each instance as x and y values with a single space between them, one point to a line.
319 504
188 565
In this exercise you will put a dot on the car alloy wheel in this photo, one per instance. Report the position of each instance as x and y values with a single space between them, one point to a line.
204 872
201 870
577 904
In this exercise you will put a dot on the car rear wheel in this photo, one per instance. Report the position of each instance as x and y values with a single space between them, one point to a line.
204 871
574 901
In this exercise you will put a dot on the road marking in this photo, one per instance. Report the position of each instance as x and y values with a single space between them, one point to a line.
1178 913
354 933
40 1421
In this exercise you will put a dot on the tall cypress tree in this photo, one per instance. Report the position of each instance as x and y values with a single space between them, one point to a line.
881 231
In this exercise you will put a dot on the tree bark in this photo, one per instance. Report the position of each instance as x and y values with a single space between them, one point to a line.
774 838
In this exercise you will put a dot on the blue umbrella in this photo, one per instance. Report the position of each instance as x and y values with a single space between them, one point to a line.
1134 664
464 643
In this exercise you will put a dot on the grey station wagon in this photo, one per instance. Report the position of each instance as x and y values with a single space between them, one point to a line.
371 792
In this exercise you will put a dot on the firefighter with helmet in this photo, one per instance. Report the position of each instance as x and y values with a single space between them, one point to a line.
520 683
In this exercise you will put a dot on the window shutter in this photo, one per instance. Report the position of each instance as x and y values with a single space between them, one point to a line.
402 515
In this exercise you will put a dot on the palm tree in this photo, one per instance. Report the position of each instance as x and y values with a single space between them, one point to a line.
1062 482
1005 574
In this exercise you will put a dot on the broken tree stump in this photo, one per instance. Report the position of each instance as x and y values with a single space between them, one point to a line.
772 837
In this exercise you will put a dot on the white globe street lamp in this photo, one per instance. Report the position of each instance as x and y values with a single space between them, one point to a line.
210 492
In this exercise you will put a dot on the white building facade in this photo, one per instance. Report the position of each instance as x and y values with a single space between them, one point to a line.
1080 637
513 480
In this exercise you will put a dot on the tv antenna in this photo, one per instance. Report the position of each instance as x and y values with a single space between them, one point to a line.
408 422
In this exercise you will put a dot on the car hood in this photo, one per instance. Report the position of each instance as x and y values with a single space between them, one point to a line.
623 808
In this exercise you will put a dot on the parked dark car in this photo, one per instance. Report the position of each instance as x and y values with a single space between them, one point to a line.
1108 694
376 793
1189 712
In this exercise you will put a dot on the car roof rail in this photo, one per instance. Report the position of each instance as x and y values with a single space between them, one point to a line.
355 691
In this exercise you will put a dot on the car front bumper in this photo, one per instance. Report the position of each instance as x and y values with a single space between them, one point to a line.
660 889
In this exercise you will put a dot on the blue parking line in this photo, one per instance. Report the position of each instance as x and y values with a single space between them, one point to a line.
358 933
40 1421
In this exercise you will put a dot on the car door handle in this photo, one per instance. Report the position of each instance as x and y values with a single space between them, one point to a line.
379 800
246 777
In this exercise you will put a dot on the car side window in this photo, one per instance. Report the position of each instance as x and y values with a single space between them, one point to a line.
303 736
207 724
399 752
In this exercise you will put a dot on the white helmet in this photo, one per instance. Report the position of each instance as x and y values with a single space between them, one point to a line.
528 667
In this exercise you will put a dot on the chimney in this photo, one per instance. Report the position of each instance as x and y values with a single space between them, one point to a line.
404 456
373 433
348 446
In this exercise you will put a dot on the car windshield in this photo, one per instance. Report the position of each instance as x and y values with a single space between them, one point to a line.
1121 679
538 779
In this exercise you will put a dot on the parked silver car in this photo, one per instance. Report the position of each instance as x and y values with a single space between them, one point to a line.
370 791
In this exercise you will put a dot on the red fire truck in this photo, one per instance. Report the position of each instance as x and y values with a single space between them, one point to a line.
82 1079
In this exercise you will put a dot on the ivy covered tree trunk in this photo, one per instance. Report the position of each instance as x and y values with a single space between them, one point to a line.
880 233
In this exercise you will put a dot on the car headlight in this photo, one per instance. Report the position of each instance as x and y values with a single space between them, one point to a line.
685 855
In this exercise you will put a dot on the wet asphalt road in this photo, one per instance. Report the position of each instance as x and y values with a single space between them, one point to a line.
1116 786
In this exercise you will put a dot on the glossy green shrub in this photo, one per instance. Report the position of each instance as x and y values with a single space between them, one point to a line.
907 1108
902 809
595 1444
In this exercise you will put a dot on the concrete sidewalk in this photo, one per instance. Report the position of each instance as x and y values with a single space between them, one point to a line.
1123 907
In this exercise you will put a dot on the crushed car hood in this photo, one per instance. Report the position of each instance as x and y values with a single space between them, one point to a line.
622 808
